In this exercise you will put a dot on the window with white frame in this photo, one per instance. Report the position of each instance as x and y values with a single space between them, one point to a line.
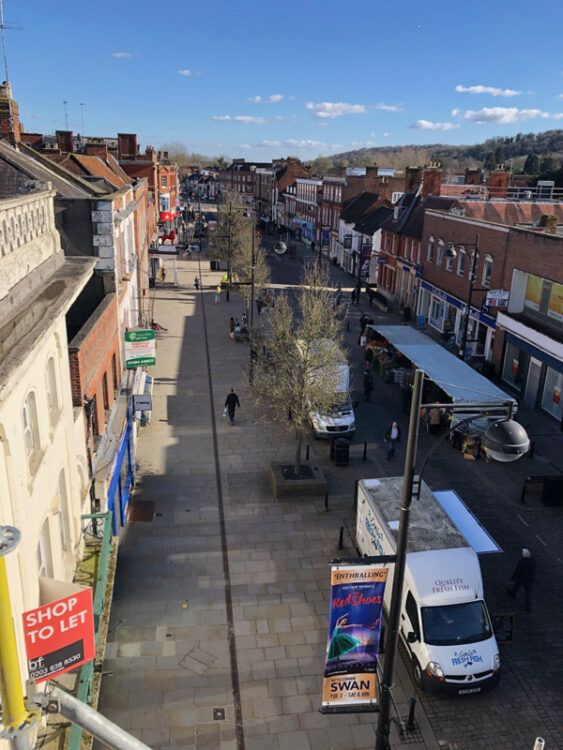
30 426
487 270
440 255
64 527
44 552
163 180
430 253
51 390
461 261
449 259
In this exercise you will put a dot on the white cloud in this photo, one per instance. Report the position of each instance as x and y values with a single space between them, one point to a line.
558 116
330 110
122 54
274 98
186 72
560 96
455 112
386 135
245 119
303 143
502 115
322 124
270 143
487 90
388 107
426 125
254 99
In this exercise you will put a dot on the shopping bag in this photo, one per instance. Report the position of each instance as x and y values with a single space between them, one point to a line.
225 411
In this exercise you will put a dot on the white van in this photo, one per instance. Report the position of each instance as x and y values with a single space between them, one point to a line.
340 421
445 624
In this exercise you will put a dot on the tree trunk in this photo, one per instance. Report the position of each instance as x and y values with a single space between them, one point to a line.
297 464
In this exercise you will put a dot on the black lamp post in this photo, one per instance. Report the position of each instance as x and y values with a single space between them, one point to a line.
505 440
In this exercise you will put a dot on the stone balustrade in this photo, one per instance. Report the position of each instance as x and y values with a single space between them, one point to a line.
25 218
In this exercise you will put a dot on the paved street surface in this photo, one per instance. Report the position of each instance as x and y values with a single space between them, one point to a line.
219 620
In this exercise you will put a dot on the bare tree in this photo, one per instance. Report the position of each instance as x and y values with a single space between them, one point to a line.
295 372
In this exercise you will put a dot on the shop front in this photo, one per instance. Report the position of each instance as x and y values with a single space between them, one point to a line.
446 314
532 365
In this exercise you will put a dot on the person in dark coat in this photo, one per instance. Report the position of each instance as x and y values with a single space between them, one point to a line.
524 575
392 437
231 403
259 304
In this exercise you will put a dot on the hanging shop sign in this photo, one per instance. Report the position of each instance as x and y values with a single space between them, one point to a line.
59 636
497 298
140 348
350 675
166 216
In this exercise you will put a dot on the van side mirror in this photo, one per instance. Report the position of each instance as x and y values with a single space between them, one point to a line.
412 637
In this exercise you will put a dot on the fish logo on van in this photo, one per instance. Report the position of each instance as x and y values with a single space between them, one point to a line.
466 658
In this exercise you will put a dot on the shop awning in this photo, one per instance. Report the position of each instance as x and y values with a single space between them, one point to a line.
454 376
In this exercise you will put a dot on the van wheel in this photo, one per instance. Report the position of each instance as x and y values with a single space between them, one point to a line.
417 673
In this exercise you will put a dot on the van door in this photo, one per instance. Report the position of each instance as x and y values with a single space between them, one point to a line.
410 622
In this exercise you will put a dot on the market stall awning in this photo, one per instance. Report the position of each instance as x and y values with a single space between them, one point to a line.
454 376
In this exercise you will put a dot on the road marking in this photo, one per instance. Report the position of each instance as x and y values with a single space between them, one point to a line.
541 540
520 517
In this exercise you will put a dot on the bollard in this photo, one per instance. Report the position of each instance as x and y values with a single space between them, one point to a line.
364 457
411 726
307 453
341 538
326 500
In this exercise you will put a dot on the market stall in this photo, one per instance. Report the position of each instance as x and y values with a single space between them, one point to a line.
394 352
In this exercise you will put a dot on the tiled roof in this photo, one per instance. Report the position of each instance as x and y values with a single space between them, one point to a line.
119 171
38 167
354 209
374 220
410 219
96 167
511 212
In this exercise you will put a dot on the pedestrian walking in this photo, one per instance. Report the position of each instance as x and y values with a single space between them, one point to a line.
406 392
232 327
196 282
524 575
218 294
163 273
392 437
368 384
368 357
353 296
259 304
231 403
363 323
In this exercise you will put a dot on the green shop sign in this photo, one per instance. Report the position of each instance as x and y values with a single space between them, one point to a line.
140 349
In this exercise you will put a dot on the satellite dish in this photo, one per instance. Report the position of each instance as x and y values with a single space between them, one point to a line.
280 247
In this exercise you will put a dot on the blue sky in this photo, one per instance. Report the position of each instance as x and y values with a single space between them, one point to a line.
267 79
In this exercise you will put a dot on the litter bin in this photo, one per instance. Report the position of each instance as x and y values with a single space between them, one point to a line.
340 451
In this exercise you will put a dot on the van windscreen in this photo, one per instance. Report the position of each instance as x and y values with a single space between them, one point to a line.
456 624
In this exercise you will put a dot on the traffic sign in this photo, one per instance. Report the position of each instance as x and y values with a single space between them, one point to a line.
59 636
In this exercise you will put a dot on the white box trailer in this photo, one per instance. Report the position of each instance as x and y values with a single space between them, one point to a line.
445 624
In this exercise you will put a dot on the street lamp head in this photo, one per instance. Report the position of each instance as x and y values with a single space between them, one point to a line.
451 252
280 247
506 440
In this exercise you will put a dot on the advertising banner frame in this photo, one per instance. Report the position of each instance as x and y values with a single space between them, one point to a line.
350 681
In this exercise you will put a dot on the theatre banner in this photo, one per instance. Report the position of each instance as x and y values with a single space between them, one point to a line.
350 677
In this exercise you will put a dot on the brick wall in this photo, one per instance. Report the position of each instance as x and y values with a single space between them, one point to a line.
90 357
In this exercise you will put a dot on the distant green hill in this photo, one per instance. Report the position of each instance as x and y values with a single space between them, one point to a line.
513 151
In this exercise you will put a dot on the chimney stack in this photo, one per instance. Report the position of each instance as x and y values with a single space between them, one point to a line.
432 181
498 184
65 141
10 128
126 146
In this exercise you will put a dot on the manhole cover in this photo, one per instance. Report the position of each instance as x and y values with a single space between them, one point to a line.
141 510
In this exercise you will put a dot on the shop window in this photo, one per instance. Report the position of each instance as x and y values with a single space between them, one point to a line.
436 313
430 254
461 261
440 255
515 365
487 270
552 396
